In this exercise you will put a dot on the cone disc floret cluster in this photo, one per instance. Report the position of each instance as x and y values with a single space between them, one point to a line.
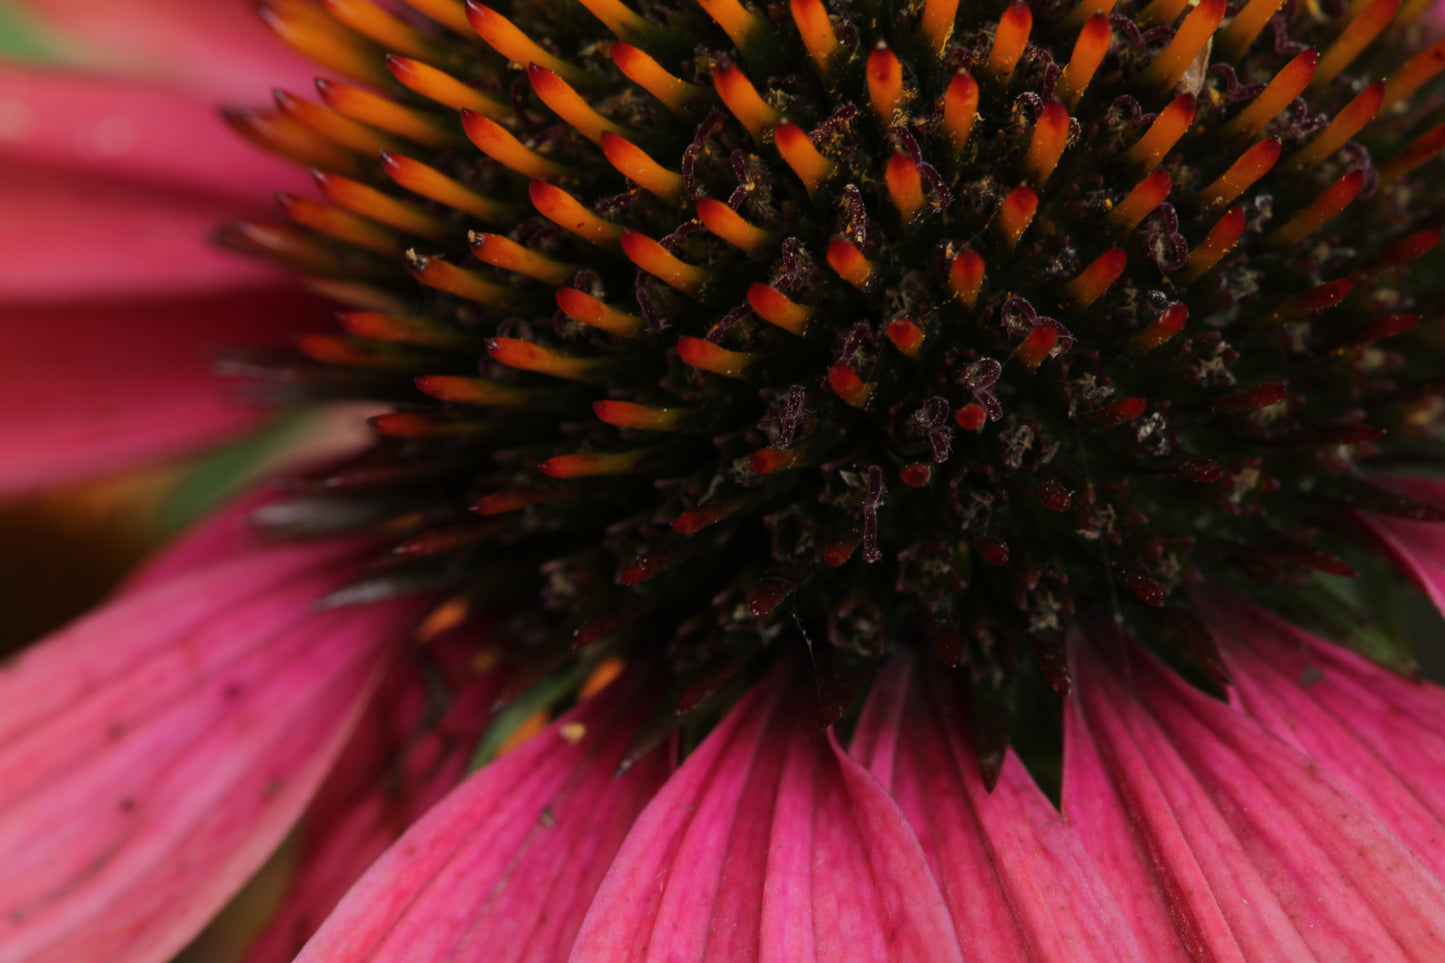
708 326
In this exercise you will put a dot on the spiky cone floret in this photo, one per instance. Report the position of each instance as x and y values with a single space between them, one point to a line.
876 328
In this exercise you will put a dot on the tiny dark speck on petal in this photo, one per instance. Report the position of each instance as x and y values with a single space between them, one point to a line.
273 788
546 818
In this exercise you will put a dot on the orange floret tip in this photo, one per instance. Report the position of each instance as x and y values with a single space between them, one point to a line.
916 475
1141 201
1169 323
570 214
848 386
768 460
1417 71
1421 149
527 356
384 113
1046 143
960 109
801 155
498 143
443 88
590 464
623 21
1331 202
849 263
1405 250
1089 50
1010 37
816 31
706 356
507 254
837 553
1016 214
381 26
742 26
569 105
1241 176
445 276
342 225
507 39
499 503
432 184
743 101
475 391
662 264
291 139
1288 84
965 276
1321 297
729 225
1115 413
591 311
626 414
906 336
777 309
1244 27
676 94
1350 120
1095 279
1162 135
971 417
885 83
695 520
1358 34
634 163
905 186
1189 42
937 23
1225 233
1034 348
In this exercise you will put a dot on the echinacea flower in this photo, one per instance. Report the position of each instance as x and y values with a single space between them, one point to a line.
860 481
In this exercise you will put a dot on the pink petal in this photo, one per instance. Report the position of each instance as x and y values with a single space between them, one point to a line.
217 48
224 533
504 868
154 753
400 761
770 843
94 127
1017 882
1222 841
67 237
1417 547
94 389
1380 737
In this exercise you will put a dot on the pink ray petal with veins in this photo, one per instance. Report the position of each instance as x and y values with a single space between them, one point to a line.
90 389
1018 884
504 868
1222 841
1344 712
1416 547
772 844
401 761
155 753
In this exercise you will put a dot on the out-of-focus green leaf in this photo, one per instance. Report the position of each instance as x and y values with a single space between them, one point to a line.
21 38
212 478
